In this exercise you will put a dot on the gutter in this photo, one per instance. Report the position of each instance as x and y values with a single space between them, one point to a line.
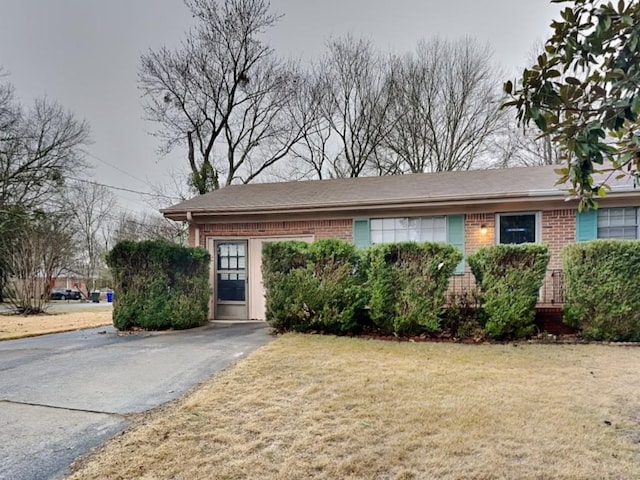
362 205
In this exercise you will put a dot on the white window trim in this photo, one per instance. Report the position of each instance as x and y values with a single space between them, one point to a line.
538 216
446 226
637 209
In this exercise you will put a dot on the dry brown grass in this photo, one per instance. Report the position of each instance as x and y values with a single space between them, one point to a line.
18 326
337 408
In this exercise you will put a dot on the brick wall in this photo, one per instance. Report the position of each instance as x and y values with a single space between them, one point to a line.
342 229
474 238
558 230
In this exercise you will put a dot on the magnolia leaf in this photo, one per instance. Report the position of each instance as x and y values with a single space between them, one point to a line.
508 87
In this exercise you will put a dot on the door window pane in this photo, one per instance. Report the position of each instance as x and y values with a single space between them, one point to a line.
231 290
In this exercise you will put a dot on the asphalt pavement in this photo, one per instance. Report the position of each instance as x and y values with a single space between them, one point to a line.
63 394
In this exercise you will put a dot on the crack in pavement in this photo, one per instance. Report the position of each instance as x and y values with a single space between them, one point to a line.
69 409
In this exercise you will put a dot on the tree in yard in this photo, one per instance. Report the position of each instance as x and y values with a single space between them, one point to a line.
141 227
355 104
517 147
223 95
446 106
583 93
311 155
40 147
91 206
42 247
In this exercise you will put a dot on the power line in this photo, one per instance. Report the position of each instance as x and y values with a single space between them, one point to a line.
122 189
109 164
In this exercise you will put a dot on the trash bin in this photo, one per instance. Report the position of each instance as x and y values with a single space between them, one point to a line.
95 297
109 297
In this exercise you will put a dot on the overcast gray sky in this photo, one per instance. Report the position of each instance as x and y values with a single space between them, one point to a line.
85 53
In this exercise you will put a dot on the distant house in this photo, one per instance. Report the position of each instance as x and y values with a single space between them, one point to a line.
68 279
466 209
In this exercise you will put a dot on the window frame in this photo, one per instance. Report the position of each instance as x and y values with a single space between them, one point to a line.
538 225
408 218
608 209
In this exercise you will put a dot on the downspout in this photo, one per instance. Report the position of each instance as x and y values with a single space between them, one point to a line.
196 239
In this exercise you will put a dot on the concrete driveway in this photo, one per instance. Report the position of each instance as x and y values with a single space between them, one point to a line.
63 394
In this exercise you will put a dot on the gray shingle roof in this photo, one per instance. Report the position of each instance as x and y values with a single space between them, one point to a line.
370 191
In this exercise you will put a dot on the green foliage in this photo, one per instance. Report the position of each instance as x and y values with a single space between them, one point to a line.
313 287
408 282
159 285
463 316
510 277
584 91
602 281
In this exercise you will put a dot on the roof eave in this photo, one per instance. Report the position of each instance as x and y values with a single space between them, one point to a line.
183 214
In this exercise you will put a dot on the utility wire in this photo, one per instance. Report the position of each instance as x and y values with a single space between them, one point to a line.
109 164
122 189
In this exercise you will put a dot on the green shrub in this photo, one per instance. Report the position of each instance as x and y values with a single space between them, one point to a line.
602 281
313 287
407 283
463 316
510 277
159 285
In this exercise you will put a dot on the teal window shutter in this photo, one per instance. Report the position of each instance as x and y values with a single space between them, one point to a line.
455 236
361 232
586 226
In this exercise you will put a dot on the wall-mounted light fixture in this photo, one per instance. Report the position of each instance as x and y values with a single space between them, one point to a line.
483 229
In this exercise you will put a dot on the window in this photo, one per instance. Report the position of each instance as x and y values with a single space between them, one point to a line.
618 223
417 229
518 227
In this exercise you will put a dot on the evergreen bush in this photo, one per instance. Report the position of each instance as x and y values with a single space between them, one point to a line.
159 285
407 283
602 281
510 277
313 287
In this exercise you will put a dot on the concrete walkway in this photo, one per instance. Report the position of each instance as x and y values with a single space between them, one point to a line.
63 394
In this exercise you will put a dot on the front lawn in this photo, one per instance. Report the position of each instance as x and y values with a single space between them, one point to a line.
339 408
55 321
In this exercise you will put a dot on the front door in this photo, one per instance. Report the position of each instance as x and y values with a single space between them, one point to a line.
230 279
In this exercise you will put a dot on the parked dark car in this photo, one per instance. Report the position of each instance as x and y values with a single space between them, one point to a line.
65 294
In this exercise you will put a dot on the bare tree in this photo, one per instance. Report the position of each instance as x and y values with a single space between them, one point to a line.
516 147
39 147
446 100
42 249
92 207
522 146
311 156
139 227
355 104
222 94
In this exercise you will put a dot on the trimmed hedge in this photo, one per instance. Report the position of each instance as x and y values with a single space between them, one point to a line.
510 277
408 282
313 287
602 285
159 285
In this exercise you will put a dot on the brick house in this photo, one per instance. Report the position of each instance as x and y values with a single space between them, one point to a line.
466 209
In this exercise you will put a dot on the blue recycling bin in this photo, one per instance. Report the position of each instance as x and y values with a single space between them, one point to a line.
109 297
